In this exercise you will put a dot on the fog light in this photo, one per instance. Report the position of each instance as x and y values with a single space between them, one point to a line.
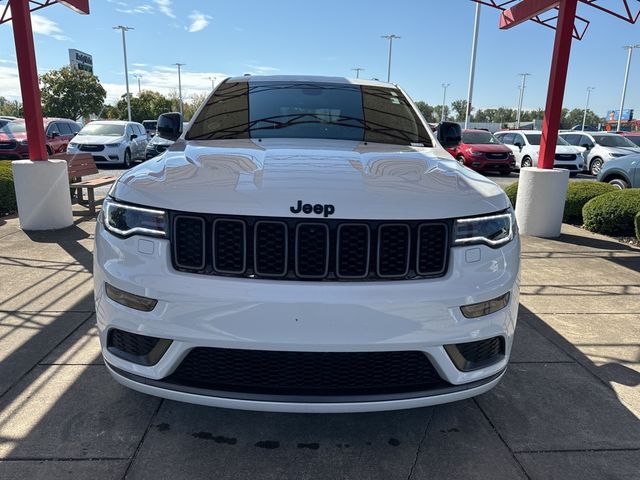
129 299
485 308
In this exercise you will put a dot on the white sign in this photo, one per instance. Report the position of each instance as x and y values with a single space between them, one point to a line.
80 60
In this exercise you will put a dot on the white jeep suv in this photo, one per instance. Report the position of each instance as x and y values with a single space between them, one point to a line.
306 245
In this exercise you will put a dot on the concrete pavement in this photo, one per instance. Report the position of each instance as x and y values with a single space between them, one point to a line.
568 407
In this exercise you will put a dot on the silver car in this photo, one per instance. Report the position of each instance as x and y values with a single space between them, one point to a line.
600 147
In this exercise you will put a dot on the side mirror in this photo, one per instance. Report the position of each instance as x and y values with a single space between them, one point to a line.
54 134
133 136
519 145
449 134
586 145
169 126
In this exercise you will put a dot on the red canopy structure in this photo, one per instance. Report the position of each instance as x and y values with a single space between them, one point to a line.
561 16
27 70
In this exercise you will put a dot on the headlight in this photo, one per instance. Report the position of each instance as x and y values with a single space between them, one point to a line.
492 230
23 142
72 145
128 220
114 145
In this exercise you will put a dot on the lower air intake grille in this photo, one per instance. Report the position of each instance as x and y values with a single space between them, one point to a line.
136 348
306 373
474 355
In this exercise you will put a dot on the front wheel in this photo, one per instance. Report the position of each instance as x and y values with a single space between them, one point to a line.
460 160
127 158
526 162
619 183
596 166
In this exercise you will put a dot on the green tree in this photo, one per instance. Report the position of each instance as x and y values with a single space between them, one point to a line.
10 108
460 107
148 105
427 111
71 93
437 112
574 117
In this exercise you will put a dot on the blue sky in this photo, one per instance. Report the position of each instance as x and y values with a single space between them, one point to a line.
218 38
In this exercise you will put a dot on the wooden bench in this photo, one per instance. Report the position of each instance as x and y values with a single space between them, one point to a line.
78 166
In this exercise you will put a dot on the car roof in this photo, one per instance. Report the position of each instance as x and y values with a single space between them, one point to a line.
310 79
111 122
475 130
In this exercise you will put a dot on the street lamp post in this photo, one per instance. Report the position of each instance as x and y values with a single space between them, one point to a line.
357 70
472 68
626 79
126 68
138 76
179 65
586 106
212 82
390 37
522 87
444 101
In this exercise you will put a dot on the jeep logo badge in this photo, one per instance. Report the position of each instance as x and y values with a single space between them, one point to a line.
326 210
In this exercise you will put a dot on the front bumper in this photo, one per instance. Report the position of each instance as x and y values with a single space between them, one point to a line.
107 155
273 315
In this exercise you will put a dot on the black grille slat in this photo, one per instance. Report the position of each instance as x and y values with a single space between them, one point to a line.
306 373
432 249
131 343
318 249
481 351
312 250
189 242
229 246
270 248
354 250
393 250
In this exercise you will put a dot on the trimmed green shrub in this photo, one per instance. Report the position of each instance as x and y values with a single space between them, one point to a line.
578 194
7 191
613 213
512 193
637 222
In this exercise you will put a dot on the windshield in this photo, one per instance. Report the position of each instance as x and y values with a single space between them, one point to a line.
108 129
479 138
613 141
13 127
635 139
309 110
535 138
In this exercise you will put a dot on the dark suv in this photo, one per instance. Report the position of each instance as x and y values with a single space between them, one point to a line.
13 137
481 151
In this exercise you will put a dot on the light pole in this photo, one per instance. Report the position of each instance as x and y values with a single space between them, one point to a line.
444 100
212 82
179 65
390 37
472 68
586 106
626 79
138 76
522 87
126 68
357 70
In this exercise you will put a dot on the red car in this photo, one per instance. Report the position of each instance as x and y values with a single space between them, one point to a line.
13 137
481 151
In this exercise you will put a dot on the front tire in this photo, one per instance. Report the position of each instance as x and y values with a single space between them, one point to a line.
127 159
526 162
596 166
460 160
619 183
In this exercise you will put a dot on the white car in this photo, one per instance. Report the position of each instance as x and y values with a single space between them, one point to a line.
525 145
600 147
307 245
111 141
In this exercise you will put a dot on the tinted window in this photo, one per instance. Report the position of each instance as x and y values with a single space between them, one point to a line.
635 139
14 127
572 139
536 138
65 128
52 128
517 138
508 138
613 141
308 110
584 140
479 138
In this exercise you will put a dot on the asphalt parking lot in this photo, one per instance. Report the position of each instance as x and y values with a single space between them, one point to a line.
568 407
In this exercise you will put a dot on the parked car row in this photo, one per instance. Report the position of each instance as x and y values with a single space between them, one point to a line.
600 147
13 137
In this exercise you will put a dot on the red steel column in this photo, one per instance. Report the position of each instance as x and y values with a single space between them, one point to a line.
557 82
29 86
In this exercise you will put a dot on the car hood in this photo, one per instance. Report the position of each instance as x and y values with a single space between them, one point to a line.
160 141
266 178
96 139
623 163
488 148
12 136
622 150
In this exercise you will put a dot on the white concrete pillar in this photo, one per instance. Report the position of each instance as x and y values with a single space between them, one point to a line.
540 201
42 194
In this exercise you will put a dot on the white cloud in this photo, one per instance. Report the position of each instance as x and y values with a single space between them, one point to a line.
146 8
261 69
9 82
165 7
44 26
199 21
